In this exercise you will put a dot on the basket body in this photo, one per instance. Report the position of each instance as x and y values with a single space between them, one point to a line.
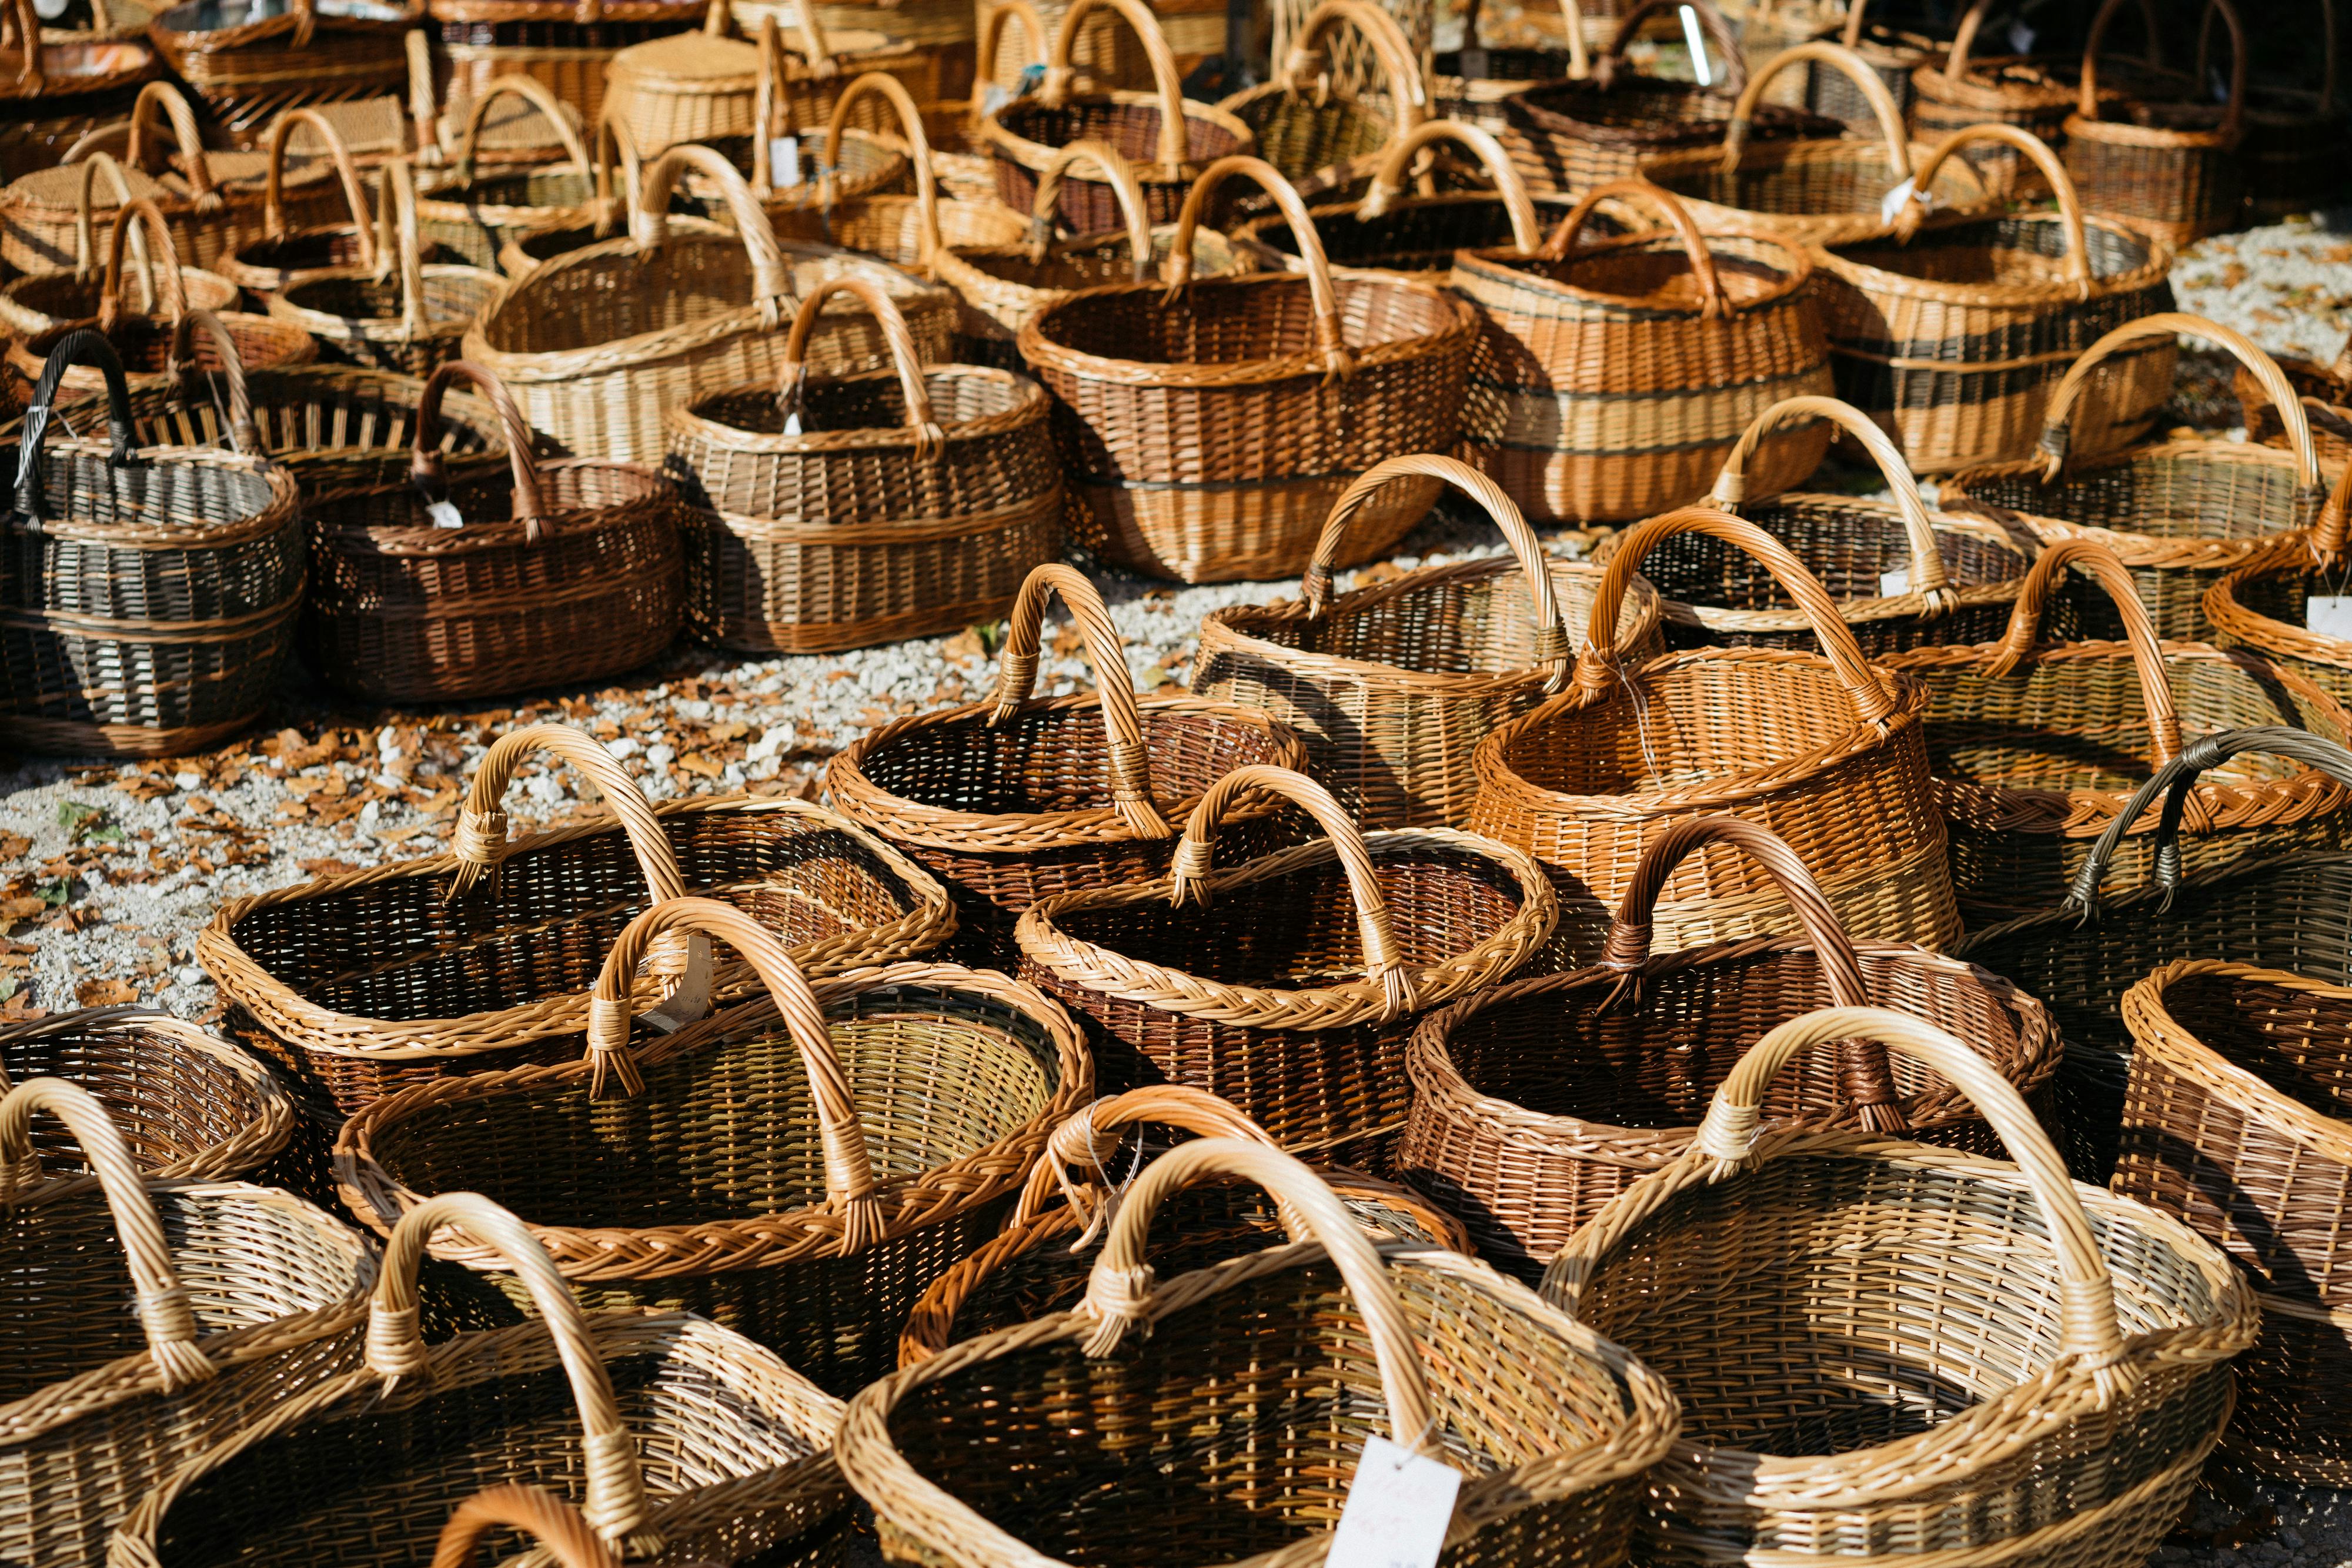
470 223
1568 137
39 210
2258 607
694 86
36 131
356 320
247 68
477 41
144 345
2000 90
1024 136
188 1104
1003 286
2177 185
1417 235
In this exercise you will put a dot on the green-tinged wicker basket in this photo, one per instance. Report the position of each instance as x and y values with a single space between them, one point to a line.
1324 140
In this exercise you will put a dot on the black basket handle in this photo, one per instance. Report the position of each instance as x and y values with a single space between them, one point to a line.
83 346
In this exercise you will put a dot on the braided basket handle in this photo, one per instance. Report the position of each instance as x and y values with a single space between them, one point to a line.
165 1316
1714 304
2056 421
911 125
1928 576
1330 338
2022 639
1845 60
546 1518
161 96
1166 81
849 1187
1387 181
273 197
1551 645
82 346
1190 880
1114 170
2077 259
244 436
617 1507
530 91
1119 1287
141 212
1085 1140
1016 677
425 466
1718 31
649 219
1307 66
931 441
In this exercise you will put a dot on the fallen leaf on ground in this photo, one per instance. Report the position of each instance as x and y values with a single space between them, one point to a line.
105 993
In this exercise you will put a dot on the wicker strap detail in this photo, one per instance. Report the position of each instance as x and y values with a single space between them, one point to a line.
1874 92
188 378
615 1509
160 97
1308 68
911 126
1331 339
515 84
1713 306
273 199
1165 78
2086 95
82 346
1075 1151
165 1316
1128 758
143 214
425 466
1388 180
547 1518
86 259
1114 172
616 142
2077 260
1188 879
649 221
931 441
481 842
2055 427
1612 59
2023 636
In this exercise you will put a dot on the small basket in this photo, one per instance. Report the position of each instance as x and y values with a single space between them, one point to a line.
1822 749
1009 801
147 599
1535 1103
840 511
1393 683
48 300
1611 383
706 86
187 1105
1473 83
1320 138
373 980
235 1299
1894 53
680 1441
1027 1271
897 1113
1291 983
286 256
1239 1422
2171 169
251 60
60 87
472 209
1961 91
2075 1432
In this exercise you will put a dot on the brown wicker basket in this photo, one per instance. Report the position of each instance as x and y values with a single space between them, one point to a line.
1239 1422
2241 605
1537 1102
565 46
48 299
1611 383
1173 141
897 1112
554 1526
250 60
1321 138
1390 685
2182 512
472 210
707 88
1963 90
234 1298
681 1441
2325 390
2286 154
373 980
1219 468
2169 168
1289 985
1896 54
522 250
147 599
2075 1433
1472 84
1822 749
284 257
850 166
1009 801
1025 1273
841 511
2035 745
59 87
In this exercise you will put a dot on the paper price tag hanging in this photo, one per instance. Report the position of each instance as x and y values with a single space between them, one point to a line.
2329 614
1892 584
444 515
783 161
1397 1511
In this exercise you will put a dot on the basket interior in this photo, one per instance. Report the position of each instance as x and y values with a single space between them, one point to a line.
68 297
581 499
2297 1042
1479 621
1056 760
169 1102
1132 128
863 400
541 186
2202 491
400 950
143 343
1502 65
449 296
1849 545
1807 179
306 250
1638 103
1226 320
86 489
729 1130
1074 265
1421 234
1237 1423
1655 270
2028 250
693 277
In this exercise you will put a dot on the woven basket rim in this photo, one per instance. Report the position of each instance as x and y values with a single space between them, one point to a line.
282 510
1505 266
1973 91
2116 134
2133 549
1035 156
454 279
1959 189
2276 639
2154 1029
1772 121
657 494
1028 406
2154 268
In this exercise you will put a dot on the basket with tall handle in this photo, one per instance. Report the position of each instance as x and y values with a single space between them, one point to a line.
1324 140
2164 161
44 299
187 1103
250 60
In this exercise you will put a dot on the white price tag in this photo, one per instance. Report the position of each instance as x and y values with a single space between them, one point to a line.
1891 583
783 161
444 515
791 424
2020 37
1891 203
994 98
2329 614
1398 1509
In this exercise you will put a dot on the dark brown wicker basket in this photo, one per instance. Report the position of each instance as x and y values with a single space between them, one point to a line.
250 59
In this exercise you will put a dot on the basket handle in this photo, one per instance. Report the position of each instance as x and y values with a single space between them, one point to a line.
614 140
1710 20
2057 419
1571 14
771 106
82 346
615 1506
1307 66
1189 880
1388 182
1119 1287
2023 636
1714 305
273 198
86 262
1166 81
1116 172
174 301
1596 667
424 463
1914 207
2330 527
546 1518
910 121
649 221
244 437
165 1316
2086 97
408 251
32 78
163 98
1084 1140
849 1188
1928 576
1331 341
1874 92
1551 645
530 91
2232 112
931 441
1956 59
993 19
1016 675
424 112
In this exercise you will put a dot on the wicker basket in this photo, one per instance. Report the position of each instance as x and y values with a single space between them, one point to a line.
2285 157
916 1102
147 599
234 1298
1173 141
1832 1295
681 1441
186 1103
565 46
1222 469
2171 169
46 300
285 256
2035 745
1390 685
1611 383
1026 1272
1326 140
1962 91
59 89
2240 605
1904 577
251 60
521 251
2183 512
841 511
599 344
1822 749
1010 800
1812 190
1894 53
1237 1424
705 87
1291 983
554 1527
1953 334
2327 393
472 210
1537 1102
1472 84
939 32
850 166
373 980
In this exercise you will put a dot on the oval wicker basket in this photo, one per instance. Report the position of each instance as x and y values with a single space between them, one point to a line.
1321 138
2246 607
1390 685
523 250
284 257
249 60
850 165
48 299
1894 53
472 208
707 88
2166 164
1537 1102
1472 84
63 86
1964 89
2076 1433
